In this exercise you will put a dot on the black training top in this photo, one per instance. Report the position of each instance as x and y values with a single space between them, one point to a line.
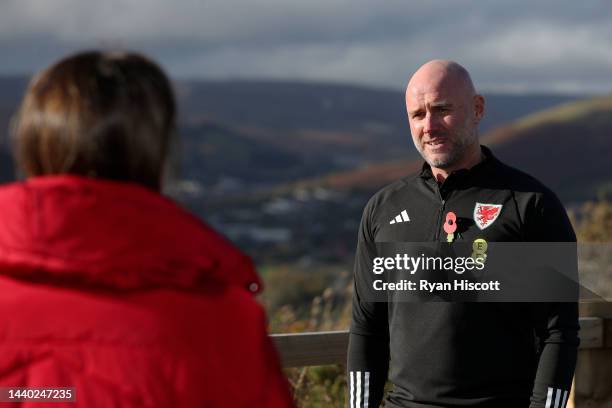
451 354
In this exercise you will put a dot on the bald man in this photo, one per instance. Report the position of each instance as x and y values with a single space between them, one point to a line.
451 354
444 111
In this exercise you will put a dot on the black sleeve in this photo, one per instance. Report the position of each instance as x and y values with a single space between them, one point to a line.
368 352
556 324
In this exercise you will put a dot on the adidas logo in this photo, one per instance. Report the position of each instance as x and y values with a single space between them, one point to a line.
401 217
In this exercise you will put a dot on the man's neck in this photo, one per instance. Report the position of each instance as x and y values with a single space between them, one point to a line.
472 158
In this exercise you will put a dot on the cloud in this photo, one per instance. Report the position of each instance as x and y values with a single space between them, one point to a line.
542 55
512 45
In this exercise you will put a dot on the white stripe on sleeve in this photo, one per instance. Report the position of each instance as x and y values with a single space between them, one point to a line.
558 392
548 397
366 390
352 392
358 388
565 394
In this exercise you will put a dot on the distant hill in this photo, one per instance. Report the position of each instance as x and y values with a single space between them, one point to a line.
217 156
327 106
568 147
12 88
360 123
11 92
321 126
251 133
6 161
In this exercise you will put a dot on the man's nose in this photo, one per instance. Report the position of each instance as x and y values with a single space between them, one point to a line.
430 123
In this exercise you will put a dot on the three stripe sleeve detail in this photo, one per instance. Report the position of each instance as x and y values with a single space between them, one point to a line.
556 398
359 389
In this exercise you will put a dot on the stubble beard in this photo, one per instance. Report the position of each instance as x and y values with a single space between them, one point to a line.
457 152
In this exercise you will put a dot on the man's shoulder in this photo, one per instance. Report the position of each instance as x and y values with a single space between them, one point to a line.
519 181
402 189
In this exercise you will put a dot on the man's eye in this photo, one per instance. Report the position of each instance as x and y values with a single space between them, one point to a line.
417 115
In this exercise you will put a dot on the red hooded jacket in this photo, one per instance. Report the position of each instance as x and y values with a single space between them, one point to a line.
114 290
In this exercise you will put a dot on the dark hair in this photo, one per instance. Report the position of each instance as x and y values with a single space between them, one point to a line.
98 114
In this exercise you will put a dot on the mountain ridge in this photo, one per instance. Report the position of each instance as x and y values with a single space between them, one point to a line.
589 118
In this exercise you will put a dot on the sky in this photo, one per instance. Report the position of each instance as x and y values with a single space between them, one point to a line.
513 46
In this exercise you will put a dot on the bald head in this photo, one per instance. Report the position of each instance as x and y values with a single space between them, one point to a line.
444 111
441 74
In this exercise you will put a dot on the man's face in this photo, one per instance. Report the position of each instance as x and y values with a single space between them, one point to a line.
442 121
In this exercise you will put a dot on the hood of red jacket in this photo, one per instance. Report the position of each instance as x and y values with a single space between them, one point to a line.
80 230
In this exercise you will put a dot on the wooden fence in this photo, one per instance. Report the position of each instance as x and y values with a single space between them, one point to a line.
322 348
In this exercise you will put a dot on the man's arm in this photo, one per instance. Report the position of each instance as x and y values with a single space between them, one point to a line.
368 352
556 323
559 344
368 363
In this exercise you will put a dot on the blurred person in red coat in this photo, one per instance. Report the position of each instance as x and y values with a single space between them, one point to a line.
106 286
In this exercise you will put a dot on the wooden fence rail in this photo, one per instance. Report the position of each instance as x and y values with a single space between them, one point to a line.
322 348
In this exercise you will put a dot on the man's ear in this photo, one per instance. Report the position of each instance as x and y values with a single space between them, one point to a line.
479 108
